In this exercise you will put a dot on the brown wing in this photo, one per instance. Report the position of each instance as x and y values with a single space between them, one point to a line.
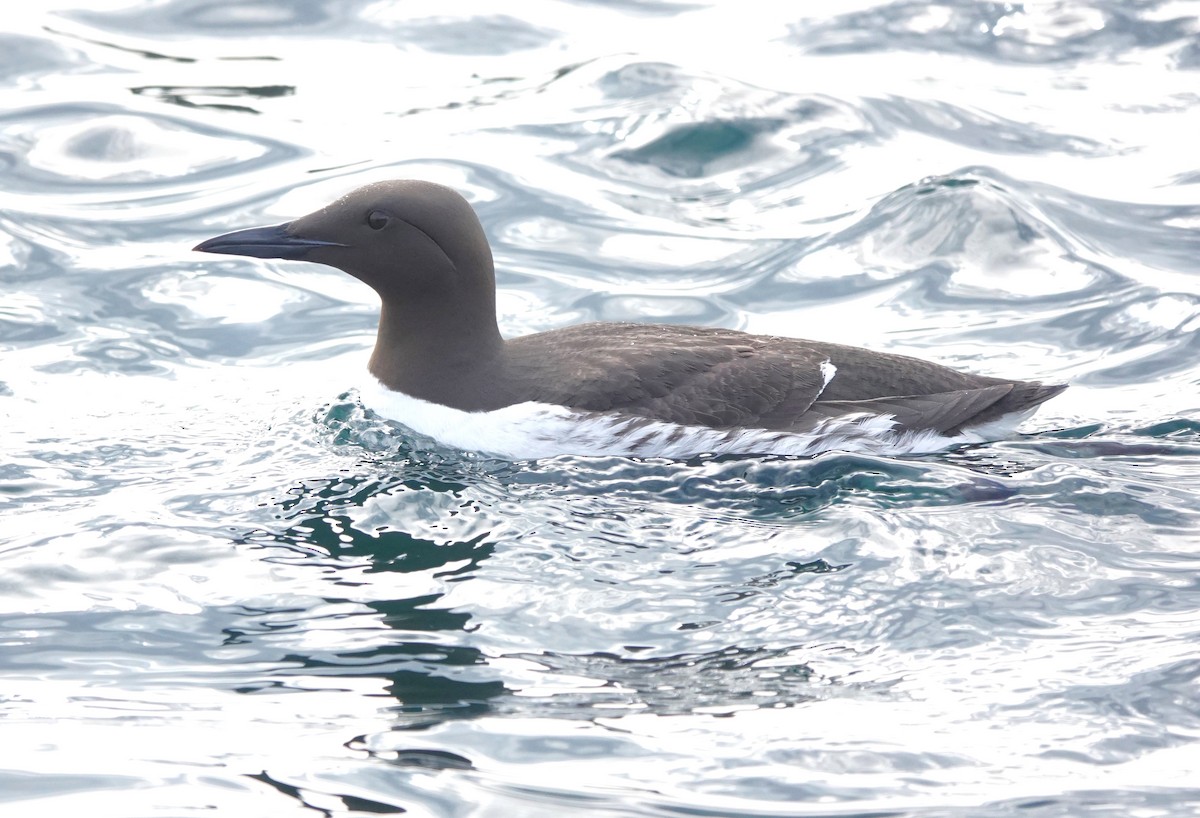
726 379
688 375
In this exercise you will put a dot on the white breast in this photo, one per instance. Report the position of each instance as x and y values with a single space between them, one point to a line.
535 430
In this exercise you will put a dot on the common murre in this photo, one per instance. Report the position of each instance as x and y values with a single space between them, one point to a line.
609 388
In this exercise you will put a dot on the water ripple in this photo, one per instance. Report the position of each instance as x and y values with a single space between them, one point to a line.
206 535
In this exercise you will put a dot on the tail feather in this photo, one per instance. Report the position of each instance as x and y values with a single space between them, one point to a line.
1025 395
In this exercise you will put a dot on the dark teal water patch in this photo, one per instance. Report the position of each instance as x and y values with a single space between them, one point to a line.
1176 429
690 151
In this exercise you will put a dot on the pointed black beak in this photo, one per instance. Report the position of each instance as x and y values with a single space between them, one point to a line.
263 242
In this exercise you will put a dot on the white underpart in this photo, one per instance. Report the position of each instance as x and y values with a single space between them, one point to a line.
534 430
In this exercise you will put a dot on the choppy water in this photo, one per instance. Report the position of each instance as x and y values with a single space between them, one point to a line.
225 588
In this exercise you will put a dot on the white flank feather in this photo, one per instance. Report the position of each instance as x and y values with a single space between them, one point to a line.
828 370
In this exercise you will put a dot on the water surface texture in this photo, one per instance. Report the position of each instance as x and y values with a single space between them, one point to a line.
227 588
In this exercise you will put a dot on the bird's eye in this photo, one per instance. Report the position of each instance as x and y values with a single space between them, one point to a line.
377 219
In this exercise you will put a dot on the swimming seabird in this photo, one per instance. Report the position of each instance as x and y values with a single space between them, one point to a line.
444 370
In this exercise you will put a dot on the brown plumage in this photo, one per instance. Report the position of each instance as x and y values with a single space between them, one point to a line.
421 247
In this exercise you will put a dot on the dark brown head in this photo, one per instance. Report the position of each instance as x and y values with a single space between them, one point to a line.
406 239
418 244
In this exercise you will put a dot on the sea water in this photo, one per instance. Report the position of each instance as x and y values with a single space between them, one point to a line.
227 588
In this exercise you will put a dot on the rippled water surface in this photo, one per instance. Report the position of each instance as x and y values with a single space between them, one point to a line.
227 588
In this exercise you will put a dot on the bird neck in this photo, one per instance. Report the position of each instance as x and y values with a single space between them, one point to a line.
427 352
